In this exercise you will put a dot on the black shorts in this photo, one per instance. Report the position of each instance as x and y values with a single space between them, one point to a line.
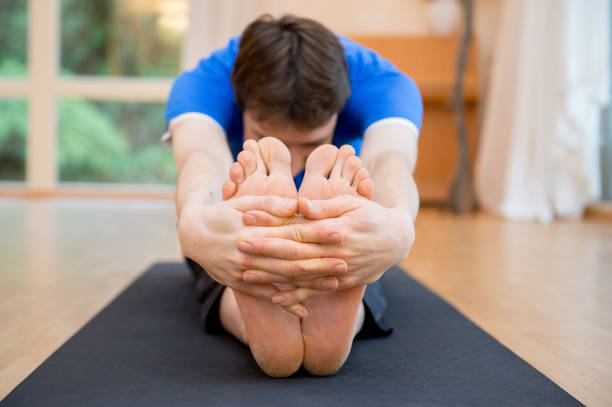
209 294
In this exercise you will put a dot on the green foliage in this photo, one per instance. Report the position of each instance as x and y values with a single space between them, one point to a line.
13 36
98 142
13 121
102 38
89 143
94 149
84 34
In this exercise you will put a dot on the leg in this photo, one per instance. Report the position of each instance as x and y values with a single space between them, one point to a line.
273 334
333 318
230 316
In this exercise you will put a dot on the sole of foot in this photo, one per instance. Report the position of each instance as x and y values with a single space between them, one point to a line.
273 334
329 328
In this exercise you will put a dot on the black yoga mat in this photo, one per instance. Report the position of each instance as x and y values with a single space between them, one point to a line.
147 348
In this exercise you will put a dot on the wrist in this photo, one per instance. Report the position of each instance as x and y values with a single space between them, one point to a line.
202 195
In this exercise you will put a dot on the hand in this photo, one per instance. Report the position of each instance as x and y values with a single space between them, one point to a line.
209 234
370 238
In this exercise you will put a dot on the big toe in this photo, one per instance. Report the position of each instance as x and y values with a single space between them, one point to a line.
321 161
275 156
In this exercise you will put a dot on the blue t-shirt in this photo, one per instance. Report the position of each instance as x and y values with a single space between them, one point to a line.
378 91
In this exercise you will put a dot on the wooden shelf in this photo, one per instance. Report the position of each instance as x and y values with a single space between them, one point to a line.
430 61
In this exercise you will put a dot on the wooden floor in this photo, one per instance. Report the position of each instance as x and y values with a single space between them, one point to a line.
544 291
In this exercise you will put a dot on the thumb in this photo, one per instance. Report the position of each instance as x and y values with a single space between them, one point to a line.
328 208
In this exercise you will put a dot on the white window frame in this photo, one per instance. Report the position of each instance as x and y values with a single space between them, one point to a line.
43 87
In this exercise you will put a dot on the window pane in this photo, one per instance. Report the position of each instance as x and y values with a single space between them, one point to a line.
126 38
13 37
113 142
13 129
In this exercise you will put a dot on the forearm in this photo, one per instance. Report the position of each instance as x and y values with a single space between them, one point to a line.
202 158
394 184
389 153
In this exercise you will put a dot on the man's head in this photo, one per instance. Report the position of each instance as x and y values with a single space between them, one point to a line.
290 80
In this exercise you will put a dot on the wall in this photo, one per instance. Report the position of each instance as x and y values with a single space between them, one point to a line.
212 22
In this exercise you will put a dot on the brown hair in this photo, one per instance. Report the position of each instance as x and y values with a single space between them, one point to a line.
290 70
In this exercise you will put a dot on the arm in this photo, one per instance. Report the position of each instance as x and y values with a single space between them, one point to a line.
202 158
389 153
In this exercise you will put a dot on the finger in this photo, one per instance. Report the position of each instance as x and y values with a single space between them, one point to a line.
262 277
275 205
261 218
298 310
293 297
265 291
304 231
328 208
295 270
285 249
228 190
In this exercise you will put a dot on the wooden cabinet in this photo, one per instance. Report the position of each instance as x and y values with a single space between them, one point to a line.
430 61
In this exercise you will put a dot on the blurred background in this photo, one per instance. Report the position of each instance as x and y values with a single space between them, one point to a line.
83 86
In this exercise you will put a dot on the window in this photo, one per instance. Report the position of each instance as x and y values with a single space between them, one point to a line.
13 37
122 38
13 123
89 108
13 113
113 142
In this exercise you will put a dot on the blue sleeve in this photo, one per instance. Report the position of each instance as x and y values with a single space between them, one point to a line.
378 89
207 88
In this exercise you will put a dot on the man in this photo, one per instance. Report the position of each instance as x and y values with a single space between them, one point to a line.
285 270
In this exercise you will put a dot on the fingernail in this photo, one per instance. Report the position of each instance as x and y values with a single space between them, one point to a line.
249 219
335 238
245 247
300 313
250 278
279 299
329 284
339 268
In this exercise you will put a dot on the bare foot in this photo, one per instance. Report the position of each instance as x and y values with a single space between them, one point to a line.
330 326
273 334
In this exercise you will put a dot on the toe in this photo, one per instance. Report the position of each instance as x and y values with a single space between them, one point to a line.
237 173
351 166
344 154
275 156
248 162
360 175
253 148
366 188
321 161
228 190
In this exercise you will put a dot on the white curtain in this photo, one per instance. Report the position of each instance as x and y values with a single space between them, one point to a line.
539 147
